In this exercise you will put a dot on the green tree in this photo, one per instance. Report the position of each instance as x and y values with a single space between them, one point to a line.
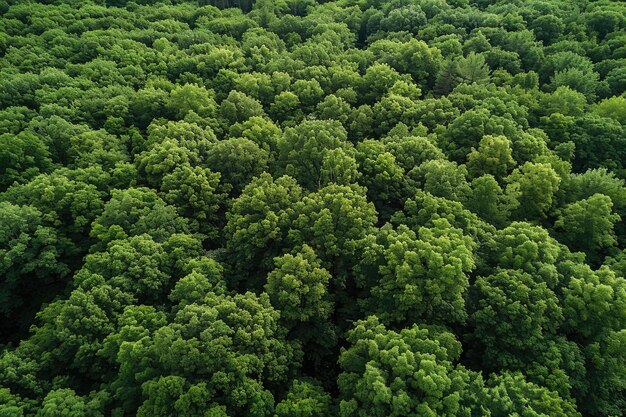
194 137
31 263
588 224
339 167
613 108
377 80
592 302
22 157
238 107
305 398
465 132
162 159
489 201
198 195
191 98
528 248
265 133
65 202
330 221
511 394
65 402
493 157
548 28
286 108
417 277
298 287
472 69
134 212
409 372
302 149
233 351
258 223
534 185
605 357
238 160
140 266
12 405
385 181
599 143
442 178
424 209
513 317
563 100
412 151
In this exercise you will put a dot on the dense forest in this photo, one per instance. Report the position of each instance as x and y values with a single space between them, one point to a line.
301 208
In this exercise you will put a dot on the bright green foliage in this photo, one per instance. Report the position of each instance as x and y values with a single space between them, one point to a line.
399 373
286 107
305 399
65 402
534 185
299 208
564 101
593 302
97 147
597 181
419 277
231 349
172 395
161 159
12 405
303 150
68 204
465 132
528 248
205 277
260 219
298 287
339 167
261 131
139 265
493 157
412 151
194 137
510 394
424 209
442 178
134 212
614 108
331 220
377 80
588 224
238 107
191 98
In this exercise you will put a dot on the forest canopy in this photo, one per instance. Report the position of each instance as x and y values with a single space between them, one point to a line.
301 208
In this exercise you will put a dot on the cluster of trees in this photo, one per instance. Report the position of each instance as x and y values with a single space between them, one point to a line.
295 208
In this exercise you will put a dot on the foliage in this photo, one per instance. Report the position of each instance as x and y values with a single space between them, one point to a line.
299 208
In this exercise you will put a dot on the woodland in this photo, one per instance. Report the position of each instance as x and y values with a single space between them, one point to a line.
301 208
